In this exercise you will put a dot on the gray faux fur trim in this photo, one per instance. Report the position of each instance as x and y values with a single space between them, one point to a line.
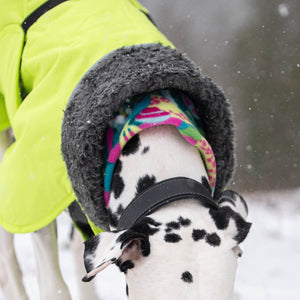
122 74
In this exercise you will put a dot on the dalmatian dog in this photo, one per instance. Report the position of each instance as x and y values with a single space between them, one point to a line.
183 250
191 245
183 247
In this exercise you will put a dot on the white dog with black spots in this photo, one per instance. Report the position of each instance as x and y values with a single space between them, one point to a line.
184 250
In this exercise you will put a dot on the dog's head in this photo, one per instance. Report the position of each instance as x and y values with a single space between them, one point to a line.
179 252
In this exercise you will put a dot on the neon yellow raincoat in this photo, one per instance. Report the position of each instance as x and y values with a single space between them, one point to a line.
49 61
60 85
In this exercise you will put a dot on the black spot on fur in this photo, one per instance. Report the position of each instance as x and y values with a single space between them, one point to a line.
89 267
205 182
172 238
125 266
127 290
113 218
117 185
198 234
145 150
90 248
213 239
80 219
144 182
118 167
173 225
222 216
187 277
132 146
120 209
91 245
184 222
152 221
143 226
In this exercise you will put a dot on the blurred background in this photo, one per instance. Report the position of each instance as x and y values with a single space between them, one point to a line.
251 49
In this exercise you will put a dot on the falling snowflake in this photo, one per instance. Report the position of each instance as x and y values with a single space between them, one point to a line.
283 10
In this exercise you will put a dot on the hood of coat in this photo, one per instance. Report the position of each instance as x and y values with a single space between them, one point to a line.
121 75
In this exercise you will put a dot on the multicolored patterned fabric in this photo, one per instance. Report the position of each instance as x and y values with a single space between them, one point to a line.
165 107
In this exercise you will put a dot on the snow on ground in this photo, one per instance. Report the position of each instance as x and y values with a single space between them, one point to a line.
268 270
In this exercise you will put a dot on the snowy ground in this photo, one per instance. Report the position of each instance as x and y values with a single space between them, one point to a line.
268 270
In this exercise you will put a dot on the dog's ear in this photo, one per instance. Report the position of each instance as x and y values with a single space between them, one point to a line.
231 217
114 247
235 201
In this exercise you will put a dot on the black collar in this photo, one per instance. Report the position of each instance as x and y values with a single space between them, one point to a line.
162 193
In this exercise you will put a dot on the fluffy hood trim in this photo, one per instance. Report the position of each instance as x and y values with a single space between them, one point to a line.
122 74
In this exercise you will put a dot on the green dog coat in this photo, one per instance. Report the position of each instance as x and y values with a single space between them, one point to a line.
59 48
61 84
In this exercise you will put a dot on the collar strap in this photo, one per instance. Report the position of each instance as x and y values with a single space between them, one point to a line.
33 17
162 193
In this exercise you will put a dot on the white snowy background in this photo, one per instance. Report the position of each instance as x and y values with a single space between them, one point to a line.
268 270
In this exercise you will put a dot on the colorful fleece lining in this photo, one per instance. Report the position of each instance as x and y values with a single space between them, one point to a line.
165 107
